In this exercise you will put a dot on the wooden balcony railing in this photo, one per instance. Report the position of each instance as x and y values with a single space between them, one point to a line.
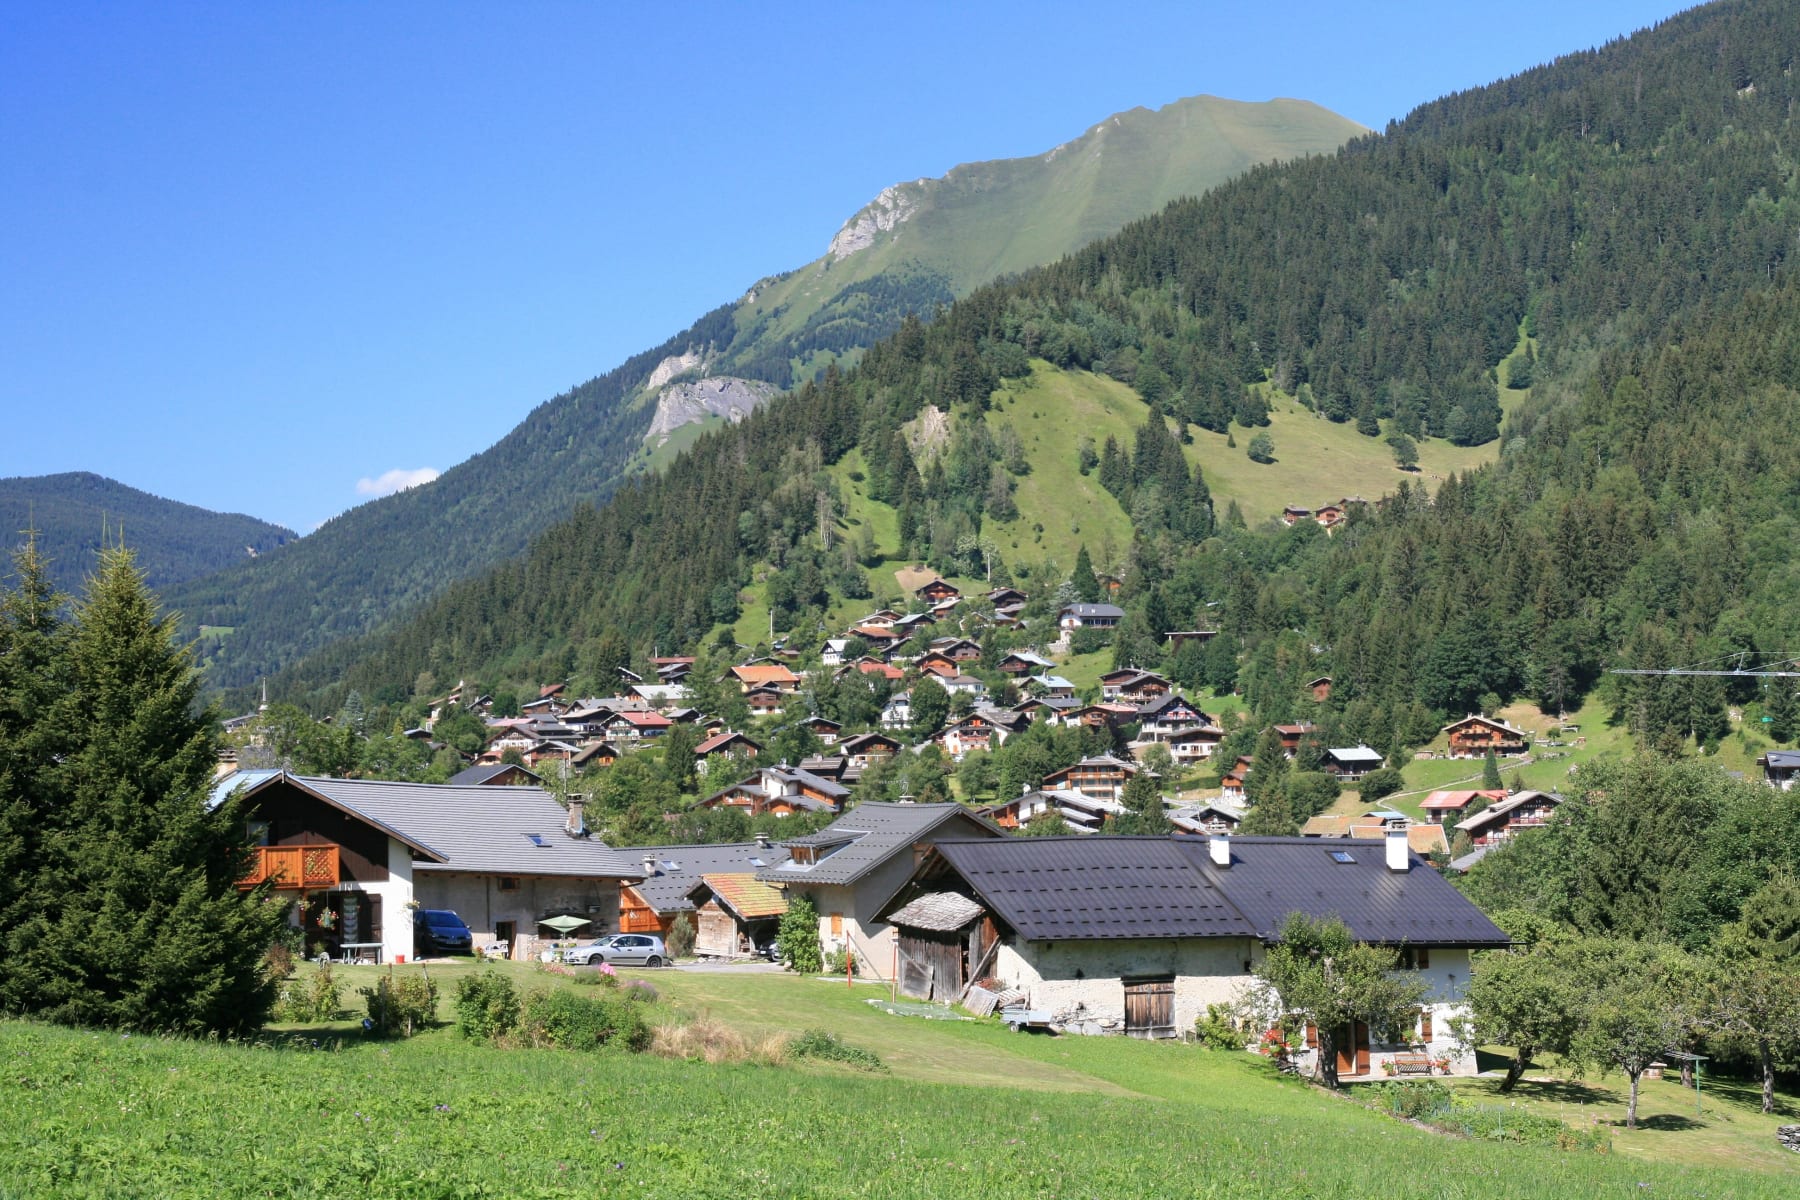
314 866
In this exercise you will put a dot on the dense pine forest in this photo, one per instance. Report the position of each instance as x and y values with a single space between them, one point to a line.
1616 213
73 513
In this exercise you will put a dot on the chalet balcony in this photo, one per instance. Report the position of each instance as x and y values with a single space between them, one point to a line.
299 867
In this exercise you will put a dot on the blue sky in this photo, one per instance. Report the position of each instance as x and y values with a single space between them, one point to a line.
272 258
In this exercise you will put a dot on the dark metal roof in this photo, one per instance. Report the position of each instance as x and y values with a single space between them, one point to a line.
1272 877
1101 887
481 774
1091 887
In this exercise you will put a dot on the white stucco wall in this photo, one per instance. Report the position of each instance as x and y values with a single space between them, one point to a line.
1084 981
396 893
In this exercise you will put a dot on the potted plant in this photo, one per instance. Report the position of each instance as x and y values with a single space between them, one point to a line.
1389 1067
1442 1063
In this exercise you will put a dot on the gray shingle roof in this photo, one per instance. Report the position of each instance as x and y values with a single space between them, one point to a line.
679 869
937 911
1101 887
868 834
485 772
481 829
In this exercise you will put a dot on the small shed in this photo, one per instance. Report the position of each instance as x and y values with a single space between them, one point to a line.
735 913
945 940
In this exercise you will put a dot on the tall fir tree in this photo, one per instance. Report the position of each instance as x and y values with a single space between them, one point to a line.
139 922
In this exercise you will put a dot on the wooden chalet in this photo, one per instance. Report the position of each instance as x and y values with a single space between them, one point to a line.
1133 685
938 591
865 749
1102 775
960 650
1195 744
1209 817
1320 688
1019 663
1231 780
1293 514
985 729
1001 596
1177 638
1475 735
1498 822
764 675
825 729
1097 716
936 662
1169 713
782 791
597 753
1352 762
1291 734
721 744
765 701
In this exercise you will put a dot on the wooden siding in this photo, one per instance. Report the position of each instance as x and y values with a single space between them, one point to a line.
298 819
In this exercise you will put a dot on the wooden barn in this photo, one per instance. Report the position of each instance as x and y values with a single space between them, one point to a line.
946 941
735 914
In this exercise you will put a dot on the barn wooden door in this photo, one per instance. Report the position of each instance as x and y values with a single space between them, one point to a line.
1150 1008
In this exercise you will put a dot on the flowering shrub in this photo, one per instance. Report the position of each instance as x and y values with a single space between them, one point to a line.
1274 1044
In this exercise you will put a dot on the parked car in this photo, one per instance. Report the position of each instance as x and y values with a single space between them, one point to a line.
622 949
439 931
590 953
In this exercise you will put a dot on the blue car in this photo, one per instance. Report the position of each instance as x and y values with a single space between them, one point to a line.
439 931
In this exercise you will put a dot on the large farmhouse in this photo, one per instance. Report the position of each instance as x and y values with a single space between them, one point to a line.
1138 935
361 855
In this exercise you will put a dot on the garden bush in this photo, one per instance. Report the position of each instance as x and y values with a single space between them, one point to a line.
640 990
571 1021
1218 1030
600 976
486 1004
317 997
799 936
400 1004
680 941
822 1043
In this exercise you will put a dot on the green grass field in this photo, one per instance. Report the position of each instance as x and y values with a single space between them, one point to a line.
962 1109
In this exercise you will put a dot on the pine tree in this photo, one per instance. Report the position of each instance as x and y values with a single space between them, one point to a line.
141 923
1490 773
1087 584
33 678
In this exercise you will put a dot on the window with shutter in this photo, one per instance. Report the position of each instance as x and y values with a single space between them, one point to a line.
1425 1025
1312 1036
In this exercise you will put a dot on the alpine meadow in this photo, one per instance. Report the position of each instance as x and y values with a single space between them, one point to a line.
1241 655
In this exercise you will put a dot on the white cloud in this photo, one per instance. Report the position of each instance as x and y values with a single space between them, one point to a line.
396 480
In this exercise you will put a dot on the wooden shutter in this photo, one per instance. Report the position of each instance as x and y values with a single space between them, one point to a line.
837 924
1425 1025
1422 957
1312 1036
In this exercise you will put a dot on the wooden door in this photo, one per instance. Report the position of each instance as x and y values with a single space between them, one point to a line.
1150 1008
1352 1045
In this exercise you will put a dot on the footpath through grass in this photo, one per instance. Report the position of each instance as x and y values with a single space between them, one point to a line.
967 1109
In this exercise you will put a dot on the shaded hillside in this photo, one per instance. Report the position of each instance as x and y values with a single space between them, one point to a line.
1593 202
73 512
388 555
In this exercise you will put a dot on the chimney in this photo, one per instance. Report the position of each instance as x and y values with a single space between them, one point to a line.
762 841
650 865
1220 846
1399 854
577 822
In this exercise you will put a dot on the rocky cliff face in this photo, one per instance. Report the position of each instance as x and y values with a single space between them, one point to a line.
886 212
696 399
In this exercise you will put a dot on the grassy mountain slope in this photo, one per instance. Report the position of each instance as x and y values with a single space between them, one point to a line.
939 238
387 556
1600 200
174 541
